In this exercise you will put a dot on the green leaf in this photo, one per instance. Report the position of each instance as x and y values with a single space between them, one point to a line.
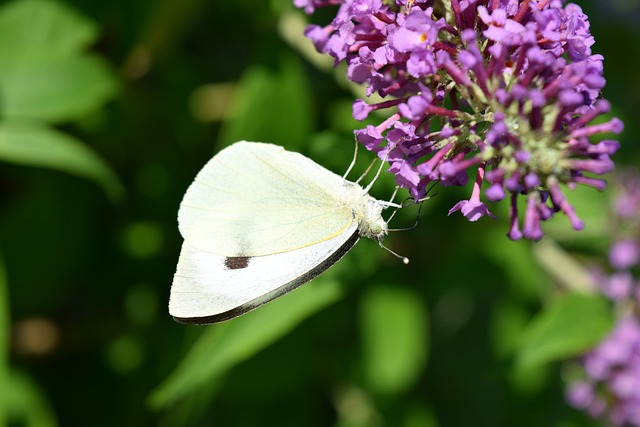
395 338
565 328
43 72
271 107
26 403
527 381
563 267
221 347
38 145
290 25
42 29
419 414
54 89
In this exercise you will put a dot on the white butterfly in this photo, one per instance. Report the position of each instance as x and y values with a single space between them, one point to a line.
258 221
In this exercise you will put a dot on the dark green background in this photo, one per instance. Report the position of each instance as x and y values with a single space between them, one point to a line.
97 271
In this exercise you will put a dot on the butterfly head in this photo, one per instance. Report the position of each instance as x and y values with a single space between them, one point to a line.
370 223
367 211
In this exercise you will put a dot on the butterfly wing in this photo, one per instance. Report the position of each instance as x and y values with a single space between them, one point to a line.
256 199
209 288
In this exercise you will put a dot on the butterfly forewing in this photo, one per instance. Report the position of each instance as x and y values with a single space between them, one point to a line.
255 199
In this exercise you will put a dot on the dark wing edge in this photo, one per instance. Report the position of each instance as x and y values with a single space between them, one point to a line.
282 290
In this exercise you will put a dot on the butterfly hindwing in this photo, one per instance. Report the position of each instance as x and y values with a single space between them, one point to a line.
209 288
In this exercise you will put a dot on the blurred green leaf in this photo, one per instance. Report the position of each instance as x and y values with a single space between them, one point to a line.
271 107
26 403
566 327
44 76
42 29
38 145
527 380
419 415
221 347
43 72
290 25
54 89
395 336
563 267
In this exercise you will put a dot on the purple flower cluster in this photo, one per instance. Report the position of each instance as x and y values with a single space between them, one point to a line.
611 387
505 89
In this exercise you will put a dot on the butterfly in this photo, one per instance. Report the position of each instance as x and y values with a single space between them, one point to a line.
258 221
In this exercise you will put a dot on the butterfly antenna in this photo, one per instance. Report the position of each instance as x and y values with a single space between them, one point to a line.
386 155
404 259
375 177
353 162
431 187
410 199
390 203
395 193
373 162
421 201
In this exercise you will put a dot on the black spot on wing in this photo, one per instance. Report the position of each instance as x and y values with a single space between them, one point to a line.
285 288
236 262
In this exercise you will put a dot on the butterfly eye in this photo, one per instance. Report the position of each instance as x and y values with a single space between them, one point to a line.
376 229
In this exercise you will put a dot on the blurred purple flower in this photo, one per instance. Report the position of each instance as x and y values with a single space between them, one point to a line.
581 394
510 86
611 387
627 202
613 366
624 254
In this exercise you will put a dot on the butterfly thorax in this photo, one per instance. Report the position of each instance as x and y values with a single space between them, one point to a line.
367 211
